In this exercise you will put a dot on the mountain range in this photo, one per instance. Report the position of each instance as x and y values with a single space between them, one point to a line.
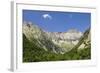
56 42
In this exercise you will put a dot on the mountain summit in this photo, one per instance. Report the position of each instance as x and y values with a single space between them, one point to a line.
40 45
57 42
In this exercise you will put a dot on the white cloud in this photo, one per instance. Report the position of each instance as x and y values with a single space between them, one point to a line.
47 16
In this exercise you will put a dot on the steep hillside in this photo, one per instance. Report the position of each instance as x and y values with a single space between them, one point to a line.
39 45
36 35
58 42
85 41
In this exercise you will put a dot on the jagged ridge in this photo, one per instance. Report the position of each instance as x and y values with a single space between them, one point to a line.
57 42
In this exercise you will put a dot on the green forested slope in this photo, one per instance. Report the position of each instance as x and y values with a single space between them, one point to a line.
33 53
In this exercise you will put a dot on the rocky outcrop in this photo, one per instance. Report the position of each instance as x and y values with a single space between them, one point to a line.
57 42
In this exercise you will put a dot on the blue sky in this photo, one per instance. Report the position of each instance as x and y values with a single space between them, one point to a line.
53 21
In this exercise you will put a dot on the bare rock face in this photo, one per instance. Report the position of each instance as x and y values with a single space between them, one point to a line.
84 41
87 40
57 42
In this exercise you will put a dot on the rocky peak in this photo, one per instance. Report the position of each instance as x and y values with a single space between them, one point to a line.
28 24
73 31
